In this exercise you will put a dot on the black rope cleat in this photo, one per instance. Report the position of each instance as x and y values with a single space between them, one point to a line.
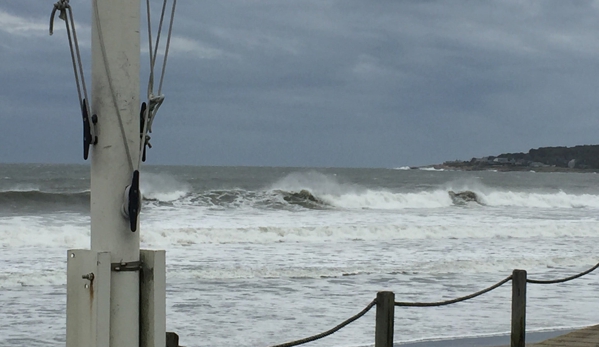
88 138
134 201
132 205
142 118
144 138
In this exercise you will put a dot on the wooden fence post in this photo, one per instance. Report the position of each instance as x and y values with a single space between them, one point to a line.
385 314
518 337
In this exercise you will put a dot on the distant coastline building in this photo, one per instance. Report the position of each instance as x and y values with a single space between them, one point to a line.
537 164
572 163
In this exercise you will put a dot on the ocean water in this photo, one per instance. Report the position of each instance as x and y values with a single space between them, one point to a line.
246 267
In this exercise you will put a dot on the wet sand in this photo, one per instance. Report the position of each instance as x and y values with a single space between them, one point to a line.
490 341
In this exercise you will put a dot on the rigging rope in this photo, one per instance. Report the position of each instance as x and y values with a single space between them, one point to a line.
168 44
155 99
63 6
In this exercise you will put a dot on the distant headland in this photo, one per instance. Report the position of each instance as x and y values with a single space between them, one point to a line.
544 159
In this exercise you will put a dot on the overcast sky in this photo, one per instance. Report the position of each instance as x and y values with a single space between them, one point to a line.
325 83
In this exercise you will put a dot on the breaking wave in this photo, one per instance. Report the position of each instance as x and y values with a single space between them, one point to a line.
321 192
279 199
165 188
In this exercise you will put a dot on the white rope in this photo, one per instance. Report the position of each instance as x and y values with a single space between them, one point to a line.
151 79
155 99
168 43
63 6
78 53
153 61
114 100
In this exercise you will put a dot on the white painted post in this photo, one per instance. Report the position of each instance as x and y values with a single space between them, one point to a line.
88 291
115 80
153 299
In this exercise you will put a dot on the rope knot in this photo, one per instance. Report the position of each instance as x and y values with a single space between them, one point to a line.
156 101
60 5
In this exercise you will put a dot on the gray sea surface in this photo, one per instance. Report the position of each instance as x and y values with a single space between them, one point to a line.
247 266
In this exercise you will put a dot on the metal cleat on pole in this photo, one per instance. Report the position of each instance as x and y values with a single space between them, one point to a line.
89 125
132 203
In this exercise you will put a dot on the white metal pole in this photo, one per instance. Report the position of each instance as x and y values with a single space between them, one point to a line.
115 81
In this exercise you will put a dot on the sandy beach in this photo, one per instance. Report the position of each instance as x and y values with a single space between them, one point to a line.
492 341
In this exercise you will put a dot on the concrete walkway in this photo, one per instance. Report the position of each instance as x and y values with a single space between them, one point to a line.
587 337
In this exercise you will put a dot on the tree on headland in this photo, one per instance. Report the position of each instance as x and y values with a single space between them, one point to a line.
579 157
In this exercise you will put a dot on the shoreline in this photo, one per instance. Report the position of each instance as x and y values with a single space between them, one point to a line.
504 168
487 341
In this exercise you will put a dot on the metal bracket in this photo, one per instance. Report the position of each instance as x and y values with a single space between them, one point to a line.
130 266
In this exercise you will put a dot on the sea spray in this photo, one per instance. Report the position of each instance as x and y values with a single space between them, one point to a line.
163 187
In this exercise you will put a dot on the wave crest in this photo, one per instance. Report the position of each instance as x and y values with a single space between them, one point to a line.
162 187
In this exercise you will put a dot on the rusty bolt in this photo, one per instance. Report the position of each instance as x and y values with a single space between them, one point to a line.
90 276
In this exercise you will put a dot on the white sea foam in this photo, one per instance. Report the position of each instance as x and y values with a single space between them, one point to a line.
346 228
172 227
316 182
541 200
361 215
373 199
163 187
41 277
430 169
22 188
64 230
